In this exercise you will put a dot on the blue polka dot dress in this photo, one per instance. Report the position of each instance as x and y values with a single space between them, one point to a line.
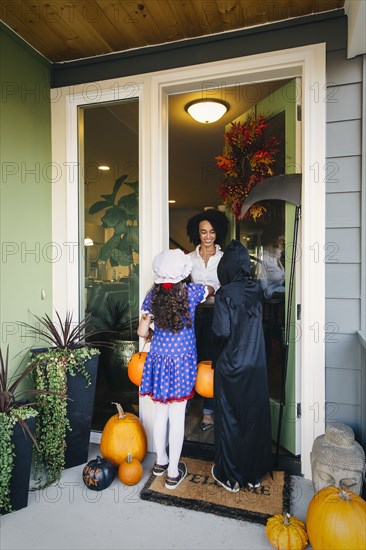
171 365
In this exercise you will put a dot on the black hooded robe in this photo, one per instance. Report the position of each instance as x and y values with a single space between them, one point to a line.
243 441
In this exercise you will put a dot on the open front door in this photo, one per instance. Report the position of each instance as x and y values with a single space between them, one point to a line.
270 242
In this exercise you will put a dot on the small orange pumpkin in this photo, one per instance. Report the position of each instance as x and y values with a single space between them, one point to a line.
130 470
336 520
136 367
123 434
286 532
205 379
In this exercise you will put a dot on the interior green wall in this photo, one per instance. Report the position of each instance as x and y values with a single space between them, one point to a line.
25 192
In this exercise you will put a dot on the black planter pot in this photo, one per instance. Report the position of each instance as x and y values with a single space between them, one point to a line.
80 413
80 405
19 484
115 363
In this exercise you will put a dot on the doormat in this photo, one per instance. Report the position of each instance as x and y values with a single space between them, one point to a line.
199 491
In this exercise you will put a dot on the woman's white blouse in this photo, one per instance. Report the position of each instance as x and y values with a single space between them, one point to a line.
201 273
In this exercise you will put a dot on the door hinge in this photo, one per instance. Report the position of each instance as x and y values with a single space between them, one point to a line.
298 410
298 312
299 113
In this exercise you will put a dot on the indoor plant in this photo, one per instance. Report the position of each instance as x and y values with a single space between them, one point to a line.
120 213
118 343
122 216
67 366
118 331
17 416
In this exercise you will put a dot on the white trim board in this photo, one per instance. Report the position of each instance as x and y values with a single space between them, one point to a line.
308 62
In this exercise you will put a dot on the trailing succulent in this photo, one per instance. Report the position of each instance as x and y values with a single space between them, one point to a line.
13 409
7 423
52 422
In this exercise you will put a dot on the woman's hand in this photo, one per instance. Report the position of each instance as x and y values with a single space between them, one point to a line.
211 290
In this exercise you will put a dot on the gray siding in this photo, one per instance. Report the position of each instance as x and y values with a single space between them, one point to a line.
343 243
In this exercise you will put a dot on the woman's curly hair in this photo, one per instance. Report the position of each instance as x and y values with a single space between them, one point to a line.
170 307
217 219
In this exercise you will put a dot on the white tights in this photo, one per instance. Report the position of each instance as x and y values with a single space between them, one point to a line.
174 415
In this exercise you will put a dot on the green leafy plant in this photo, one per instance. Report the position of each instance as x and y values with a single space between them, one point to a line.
71 346
14 408
122 216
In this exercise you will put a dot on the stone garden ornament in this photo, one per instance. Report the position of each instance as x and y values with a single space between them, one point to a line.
337 459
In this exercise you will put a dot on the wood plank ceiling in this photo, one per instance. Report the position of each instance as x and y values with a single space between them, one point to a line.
75 29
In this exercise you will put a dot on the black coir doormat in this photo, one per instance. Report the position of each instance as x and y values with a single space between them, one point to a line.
200 492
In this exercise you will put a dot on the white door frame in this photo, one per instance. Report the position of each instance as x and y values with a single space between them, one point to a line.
309 63
153 90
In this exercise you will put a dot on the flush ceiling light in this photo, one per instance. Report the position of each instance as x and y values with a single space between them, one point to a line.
103 167
207 110
88 241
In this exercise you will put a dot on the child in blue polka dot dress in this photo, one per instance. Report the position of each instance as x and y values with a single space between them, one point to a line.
171 365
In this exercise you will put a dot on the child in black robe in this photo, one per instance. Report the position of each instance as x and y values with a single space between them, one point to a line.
243 443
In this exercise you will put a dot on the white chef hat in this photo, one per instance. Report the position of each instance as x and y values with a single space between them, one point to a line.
171 266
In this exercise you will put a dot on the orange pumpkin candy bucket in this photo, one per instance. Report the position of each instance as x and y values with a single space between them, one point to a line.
136 367
205 379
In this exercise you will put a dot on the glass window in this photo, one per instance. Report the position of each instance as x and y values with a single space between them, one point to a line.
109 165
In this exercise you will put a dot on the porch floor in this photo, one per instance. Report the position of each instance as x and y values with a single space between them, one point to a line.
69 517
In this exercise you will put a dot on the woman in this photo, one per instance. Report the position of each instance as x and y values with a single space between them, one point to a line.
243 442
207 231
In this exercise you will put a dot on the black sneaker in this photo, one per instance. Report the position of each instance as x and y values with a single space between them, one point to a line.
226 485
255 485
159 469
173 482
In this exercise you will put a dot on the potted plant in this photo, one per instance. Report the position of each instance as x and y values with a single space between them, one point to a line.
17 419
118 331
120 213
122 216
67 366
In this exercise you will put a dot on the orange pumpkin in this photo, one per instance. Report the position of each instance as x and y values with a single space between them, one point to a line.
336 520
130 470
286 532
136 367
123 434
205 379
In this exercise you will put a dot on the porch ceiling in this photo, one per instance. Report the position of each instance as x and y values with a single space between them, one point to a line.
64 31
76 29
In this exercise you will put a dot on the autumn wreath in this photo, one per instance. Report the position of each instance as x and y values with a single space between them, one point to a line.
249 157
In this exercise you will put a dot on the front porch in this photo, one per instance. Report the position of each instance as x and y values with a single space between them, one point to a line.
70 516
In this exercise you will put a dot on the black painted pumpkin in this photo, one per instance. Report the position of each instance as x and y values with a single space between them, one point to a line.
98 474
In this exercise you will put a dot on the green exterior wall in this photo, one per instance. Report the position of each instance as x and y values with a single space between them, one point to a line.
26 190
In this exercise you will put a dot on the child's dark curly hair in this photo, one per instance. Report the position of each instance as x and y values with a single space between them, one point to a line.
217 219
170 307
